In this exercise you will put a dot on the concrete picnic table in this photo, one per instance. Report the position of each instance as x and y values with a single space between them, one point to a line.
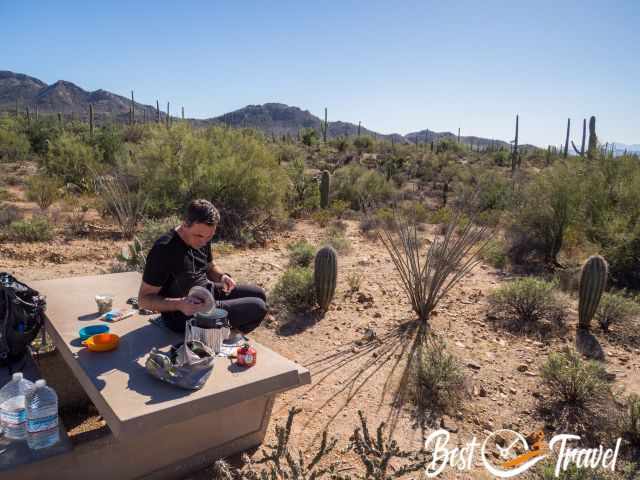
159 430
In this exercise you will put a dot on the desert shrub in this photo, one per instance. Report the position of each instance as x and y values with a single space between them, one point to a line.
415 212
237 172
501 158
43 190
615 308
439 383
42 133
322 217
527 304
361 188
303 194
354 280
547 472
630 421
622 252
110 144
8 214
573 381
71 160
549 204
221 248
134 133
494 253
338 208
363 144
13 145
341 144
286 153
301 253
36 229
309 137
335 237
295 289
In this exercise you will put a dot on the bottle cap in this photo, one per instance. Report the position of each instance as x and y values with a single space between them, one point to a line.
17 376
41 383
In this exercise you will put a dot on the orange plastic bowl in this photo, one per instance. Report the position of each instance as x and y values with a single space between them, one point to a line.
103 342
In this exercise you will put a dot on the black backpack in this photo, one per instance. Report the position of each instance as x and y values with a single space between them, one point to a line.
21 317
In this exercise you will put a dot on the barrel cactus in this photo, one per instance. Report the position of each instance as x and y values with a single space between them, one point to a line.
592 284
325 274
324 189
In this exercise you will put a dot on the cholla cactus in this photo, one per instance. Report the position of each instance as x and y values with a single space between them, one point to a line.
377 454
134 255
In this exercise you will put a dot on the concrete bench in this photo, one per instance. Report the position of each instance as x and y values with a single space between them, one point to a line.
158 430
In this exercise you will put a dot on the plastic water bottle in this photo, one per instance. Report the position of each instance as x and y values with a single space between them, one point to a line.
42 416
13 415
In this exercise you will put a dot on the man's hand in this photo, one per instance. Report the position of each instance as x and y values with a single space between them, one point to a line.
190 306
228 283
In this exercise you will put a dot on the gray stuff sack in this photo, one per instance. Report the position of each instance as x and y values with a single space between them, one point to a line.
187 366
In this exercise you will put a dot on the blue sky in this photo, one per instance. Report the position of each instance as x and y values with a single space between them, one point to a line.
395 66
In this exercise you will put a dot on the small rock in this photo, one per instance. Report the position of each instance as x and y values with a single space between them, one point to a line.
473 365
512 390
377 315
522 367
482 392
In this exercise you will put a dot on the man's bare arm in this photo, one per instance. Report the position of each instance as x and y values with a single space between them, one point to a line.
214 272
149 299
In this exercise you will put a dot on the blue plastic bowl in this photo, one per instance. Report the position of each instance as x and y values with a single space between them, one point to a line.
92 330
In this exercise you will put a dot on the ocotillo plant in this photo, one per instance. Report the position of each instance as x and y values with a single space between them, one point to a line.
324 189
324 126
593 139
514 153
325 274
584 135
566 142
592 283
91 120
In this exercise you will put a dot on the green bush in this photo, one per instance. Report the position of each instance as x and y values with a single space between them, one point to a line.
573 381
630 421
363 144
548 206
43 190
36 229
615 308
303 194
71 160
8 215
439 383
42 133
295 289
527 304
309 137
237 172
13 145
336 238
361 188
110 144
301 253
494 253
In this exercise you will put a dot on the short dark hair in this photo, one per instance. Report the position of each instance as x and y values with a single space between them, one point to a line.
202 211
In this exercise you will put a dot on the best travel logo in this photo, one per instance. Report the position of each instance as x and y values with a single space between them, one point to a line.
515 454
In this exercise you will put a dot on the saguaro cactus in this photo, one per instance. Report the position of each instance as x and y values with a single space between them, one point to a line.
325 181
324 126
593 139
514 153
592 283
157 111
566 142
584 135
168 119
325 274
132 111
91 120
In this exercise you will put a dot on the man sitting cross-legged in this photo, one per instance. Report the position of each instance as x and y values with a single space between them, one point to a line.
181 259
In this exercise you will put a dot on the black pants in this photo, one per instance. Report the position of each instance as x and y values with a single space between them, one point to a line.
246 304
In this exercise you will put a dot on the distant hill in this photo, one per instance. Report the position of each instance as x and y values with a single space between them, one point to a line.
273 118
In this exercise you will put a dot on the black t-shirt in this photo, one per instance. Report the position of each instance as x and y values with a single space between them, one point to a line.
176 267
